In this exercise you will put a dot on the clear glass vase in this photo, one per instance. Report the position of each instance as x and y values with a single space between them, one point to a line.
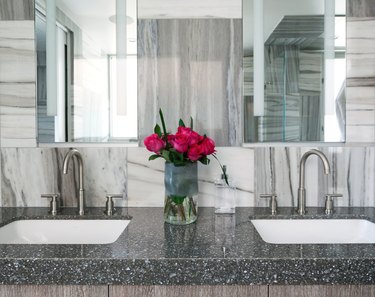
181 193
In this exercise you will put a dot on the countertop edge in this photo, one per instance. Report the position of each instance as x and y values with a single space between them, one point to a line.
187 271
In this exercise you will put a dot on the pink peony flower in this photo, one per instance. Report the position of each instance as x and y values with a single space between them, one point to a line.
195 152
184 130
180 143
170 138
194 137
207 146
154 143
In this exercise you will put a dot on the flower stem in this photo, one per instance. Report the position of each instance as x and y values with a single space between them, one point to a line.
222 169
163 125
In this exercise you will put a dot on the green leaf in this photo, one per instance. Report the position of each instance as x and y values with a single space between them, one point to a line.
180 156
153 157
181 123
204 160
157 130
191 123
166 155
222 169
163 122
177 199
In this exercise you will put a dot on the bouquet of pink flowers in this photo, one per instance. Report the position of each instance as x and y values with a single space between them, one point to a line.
185 146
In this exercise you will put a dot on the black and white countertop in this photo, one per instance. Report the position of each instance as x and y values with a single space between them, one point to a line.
217 249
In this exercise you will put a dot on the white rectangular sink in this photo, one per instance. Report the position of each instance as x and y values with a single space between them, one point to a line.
315 231
62 231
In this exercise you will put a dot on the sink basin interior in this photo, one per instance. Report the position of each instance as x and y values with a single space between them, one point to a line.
315 231
62 231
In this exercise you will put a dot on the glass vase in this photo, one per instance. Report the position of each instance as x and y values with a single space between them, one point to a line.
181 193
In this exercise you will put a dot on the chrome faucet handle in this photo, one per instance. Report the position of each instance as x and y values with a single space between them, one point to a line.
109 205
329 202
54 204
273 201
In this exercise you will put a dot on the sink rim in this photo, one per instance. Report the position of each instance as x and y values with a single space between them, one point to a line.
273 237
83 231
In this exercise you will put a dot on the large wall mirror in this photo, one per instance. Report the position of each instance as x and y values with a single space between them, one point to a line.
294 70
86 70
182 56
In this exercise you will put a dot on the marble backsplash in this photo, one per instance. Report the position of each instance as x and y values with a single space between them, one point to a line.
352 175
28 173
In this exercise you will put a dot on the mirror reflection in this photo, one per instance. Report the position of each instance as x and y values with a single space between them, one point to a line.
86 70
190 64
294 70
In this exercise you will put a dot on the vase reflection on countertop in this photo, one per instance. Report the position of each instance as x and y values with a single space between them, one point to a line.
180 241
225 228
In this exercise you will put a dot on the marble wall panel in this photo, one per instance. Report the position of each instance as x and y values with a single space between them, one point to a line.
27 173
17 52
360 8
360 108
17 84
17 114
146 178
16 10
191 68
352 174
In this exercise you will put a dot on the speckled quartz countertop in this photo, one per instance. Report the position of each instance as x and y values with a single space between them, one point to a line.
215 250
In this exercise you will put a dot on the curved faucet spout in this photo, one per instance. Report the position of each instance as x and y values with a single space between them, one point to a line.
81 198
301 190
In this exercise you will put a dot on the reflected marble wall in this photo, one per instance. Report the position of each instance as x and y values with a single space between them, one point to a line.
16 10
360 102
191 67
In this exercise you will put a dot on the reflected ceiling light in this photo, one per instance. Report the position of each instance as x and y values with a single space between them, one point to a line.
129 20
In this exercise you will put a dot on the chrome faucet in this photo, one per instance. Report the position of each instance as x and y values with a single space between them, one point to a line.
301 190
81 198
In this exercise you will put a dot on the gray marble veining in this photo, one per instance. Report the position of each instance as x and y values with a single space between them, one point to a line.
360 102
360 8
17 84
16 10
352 175
28 173
146 178
293 97
191 68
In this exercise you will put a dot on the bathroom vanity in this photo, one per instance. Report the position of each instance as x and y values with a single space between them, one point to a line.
151 258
